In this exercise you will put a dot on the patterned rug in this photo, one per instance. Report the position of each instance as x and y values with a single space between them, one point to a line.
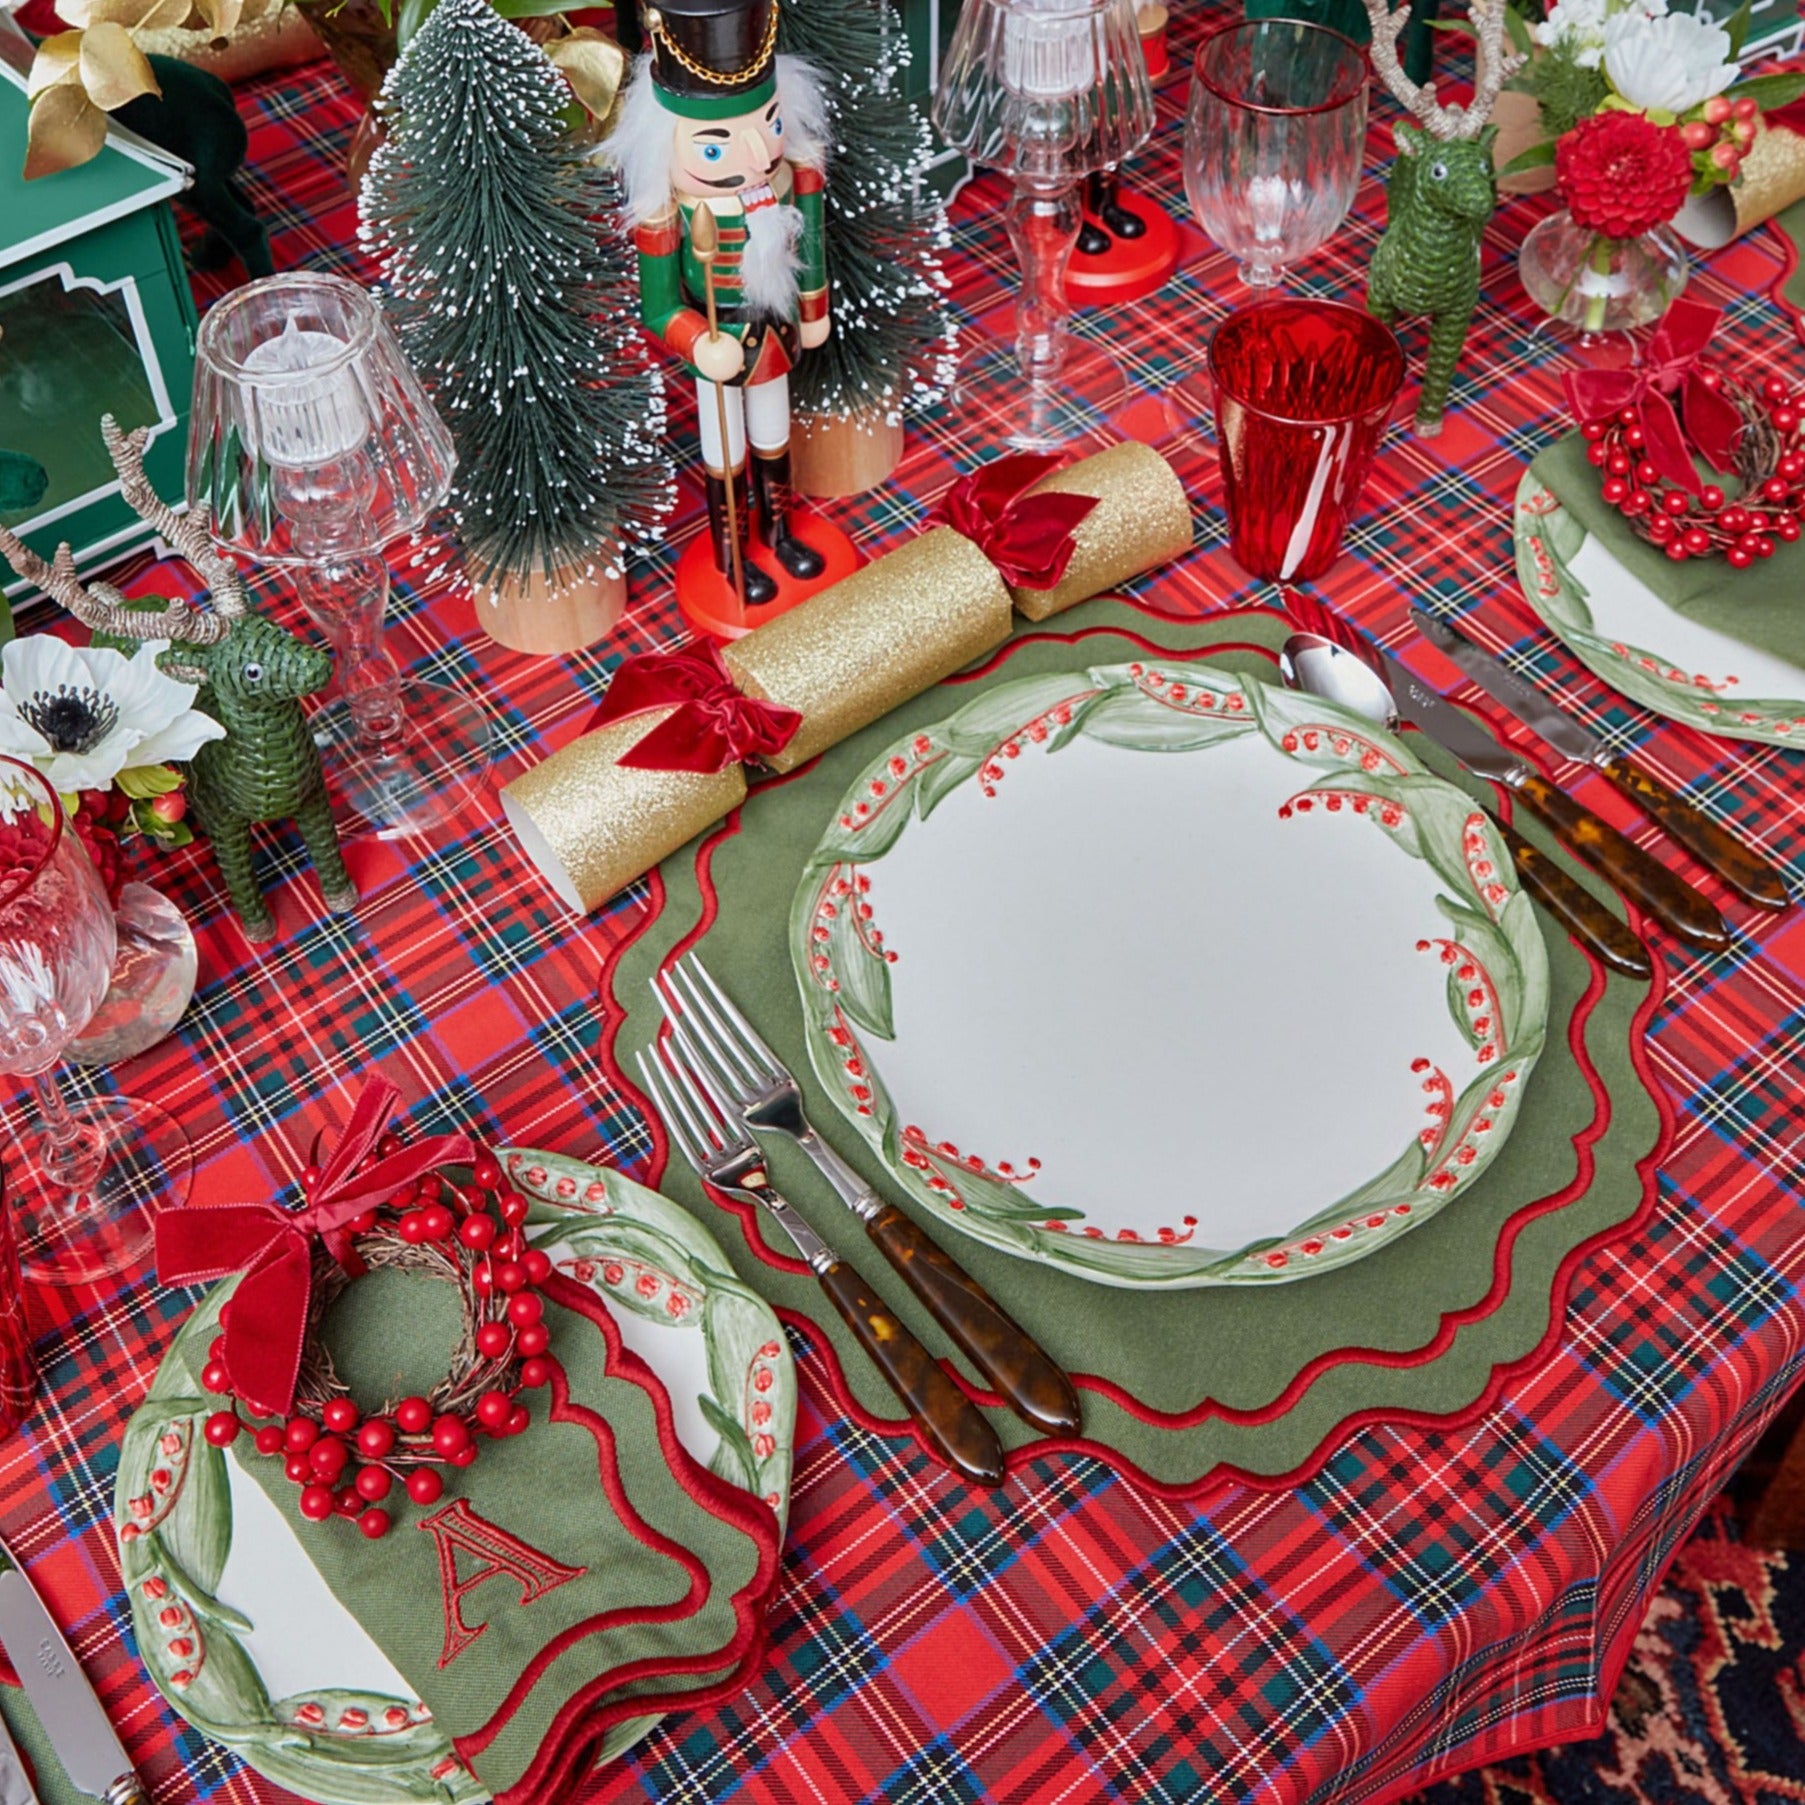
1711 1705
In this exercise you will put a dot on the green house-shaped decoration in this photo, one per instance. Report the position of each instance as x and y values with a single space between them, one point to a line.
96 317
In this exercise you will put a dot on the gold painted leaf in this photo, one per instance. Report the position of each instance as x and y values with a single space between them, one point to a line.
66 128
57 63
135 15
220 17
594 65
113 68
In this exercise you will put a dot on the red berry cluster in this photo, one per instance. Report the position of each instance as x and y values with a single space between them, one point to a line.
1724 134
1770 466
479 1227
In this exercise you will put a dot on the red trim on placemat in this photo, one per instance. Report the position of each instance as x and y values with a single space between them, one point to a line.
1223 1474
746 1512
1788 253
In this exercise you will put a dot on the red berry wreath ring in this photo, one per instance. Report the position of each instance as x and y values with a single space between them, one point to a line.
1769 464
347 1458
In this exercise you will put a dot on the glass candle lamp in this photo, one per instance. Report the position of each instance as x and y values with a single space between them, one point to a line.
313 447
1049 92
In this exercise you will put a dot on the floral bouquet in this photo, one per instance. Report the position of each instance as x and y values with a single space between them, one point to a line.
107 731
1642 108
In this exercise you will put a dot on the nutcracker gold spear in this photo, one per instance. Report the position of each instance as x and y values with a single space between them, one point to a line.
705 241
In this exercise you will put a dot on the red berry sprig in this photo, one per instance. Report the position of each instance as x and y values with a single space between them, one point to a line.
347 1463
1768 512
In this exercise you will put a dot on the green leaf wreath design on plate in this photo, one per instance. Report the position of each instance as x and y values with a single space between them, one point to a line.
173 1505
1492 947
1548 539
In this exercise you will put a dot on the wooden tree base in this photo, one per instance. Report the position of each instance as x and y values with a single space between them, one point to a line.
834 456
545 619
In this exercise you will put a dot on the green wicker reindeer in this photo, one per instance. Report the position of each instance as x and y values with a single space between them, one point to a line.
1441 193
252 675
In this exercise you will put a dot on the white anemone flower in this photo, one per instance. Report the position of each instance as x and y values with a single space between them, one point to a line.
1672 63
83 714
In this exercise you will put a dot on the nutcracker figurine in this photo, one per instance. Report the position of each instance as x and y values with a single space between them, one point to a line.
721 145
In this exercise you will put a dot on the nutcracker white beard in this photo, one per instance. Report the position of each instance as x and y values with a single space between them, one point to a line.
768 263
642 146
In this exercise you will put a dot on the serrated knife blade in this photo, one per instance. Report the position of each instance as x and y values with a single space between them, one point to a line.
78 1728
1566 735
1713 845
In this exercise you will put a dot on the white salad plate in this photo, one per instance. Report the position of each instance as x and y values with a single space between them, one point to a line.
1169 977
1613 623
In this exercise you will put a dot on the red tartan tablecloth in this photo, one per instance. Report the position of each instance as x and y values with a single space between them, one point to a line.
1429 1600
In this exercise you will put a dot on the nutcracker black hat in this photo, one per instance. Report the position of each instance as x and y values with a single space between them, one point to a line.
713 59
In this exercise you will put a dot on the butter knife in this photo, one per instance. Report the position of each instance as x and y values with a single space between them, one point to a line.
85 1742
1670 899
1746 872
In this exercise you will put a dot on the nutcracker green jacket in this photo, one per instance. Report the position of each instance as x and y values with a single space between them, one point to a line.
672 298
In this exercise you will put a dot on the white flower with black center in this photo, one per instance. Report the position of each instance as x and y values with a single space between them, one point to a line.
83 714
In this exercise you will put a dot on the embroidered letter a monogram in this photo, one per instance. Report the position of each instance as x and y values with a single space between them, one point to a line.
457 1529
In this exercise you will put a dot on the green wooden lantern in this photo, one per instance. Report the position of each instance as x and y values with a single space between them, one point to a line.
96 317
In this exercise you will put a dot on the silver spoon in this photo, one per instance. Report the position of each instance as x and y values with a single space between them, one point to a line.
1319 667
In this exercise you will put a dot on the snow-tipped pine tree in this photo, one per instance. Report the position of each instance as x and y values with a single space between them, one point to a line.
891 344
512 291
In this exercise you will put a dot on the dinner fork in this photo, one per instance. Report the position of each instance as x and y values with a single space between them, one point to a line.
727 1157
722 1046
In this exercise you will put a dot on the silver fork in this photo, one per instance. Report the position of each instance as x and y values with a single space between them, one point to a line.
705 1131
755 1088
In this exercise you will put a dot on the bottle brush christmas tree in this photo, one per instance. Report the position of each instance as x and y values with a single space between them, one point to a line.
512 291
891 347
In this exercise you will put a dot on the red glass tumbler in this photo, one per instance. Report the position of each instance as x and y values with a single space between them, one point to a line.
1303 390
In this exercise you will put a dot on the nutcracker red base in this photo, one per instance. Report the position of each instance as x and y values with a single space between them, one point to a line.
711 605
1130 267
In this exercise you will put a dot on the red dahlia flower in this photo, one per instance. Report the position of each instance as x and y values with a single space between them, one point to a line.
1621 174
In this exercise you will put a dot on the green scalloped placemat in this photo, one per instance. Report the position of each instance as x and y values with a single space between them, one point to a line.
1185 1386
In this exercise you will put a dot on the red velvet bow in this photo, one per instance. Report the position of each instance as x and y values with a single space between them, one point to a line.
1027 537
1669 368
266 1321
712 725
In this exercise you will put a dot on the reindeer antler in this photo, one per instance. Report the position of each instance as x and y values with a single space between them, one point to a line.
101 606
186 533
1492 68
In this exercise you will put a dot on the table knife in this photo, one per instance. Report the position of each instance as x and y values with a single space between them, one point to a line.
85 1742
1670 899
1609 940
1748 874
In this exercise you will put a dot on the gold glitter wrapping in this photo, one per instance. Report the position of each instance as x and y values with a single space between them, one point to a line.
278 38
1773 177
884 634
1143 519
592 826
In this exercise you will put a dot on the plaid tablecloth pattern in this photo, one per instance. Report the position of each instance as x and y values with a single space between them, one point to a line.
1430 1599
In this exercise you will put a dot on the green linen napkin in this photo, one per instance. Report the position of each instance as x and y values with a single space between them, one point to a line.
1763 606
585 1571
53 1786
1791 222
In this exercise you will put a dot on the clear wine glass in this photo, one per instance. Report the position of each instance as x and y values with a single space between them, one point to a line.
1274 133
100 1169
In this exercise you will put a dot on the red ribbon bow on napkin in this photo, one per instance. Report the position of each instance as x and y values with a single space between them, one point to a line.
266 1321
1027 537
1669 368
712 724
